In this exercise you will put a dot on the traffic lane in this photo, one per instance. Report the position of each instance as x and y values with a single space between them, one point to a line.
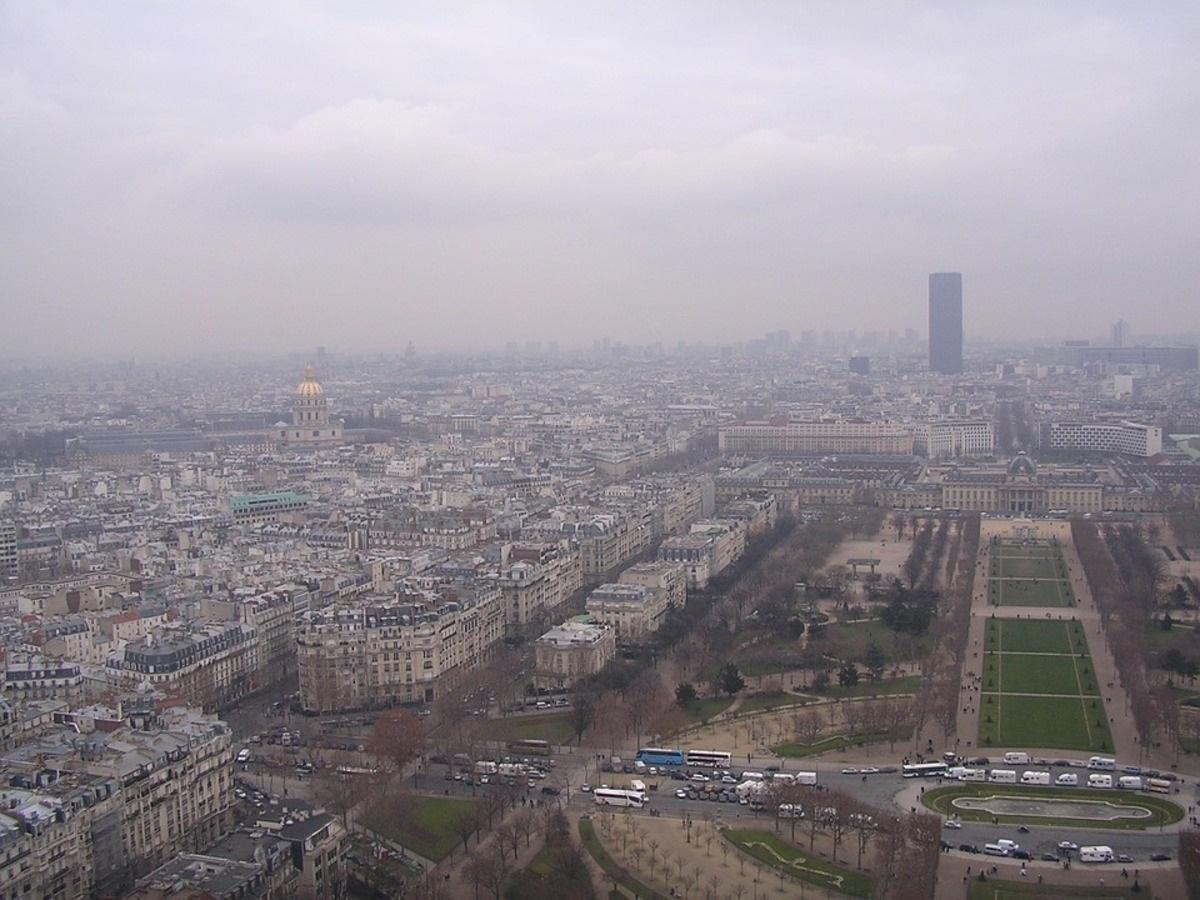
1045 839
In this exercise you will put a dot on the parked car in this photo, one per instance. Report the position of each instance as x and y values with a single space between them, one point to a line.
681 794
968 848
1160 857
549 790
850 770
1124 858
585 787
1068 846
952 823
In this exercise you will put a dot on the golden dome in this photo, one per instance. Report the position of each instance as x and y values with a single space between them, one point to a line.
309 387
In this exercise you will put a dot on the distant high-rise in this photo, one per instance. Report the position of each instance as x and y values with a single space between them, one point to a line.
945 323
1120 333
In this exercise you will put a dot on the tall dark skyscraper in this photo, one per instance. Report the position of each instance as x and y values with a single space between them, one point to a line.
945 323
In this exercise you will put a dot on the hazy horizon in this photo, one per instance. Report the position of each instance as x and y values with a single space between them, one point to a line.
199 181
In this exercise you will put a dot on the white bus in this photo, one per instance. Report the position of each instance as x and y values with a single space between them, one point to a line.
1096 854
717 759
1158 785
1103 763
924 770
614 797
1003 776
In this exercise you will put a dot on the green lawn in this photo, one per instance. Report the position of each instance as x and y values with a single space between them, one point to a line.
1061 723
1163 812
782 856
996 889
1035 636
770 700
1045 592
1026 673
614 870
424 825
704 708
1026 566
553 727
850 641
867 688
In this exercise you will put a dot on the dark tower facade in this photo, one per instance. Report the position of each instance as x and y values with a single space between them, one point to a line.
945 323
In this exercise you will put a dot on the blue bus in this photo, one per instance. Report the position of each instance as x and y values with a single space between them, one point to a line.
658 756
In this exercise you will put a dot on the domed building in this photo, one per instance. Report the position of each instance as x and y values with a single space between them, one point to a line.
310 415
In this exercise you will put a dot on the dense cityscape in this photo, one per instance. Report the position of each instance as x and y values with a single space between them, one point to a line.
417 625
624 451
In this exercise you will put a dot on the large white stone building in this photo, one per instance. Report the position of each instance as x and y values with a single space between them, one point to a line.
1130 438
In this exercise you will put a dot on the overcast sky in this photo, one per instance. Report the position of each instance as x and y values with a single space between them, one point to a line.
261 176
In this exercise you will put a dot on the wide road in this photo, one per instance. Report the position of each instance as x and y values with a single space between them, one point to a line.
879 790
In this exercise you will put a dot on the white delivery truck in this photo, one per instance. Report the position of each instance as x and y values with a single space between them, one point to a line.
1035 778
1067 779
1130 782
1003 776
1096 854
1099 781
1016 759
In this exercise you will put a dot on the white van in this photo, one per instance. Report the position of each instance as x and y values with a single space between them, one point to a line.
1017 759
1130 782
1096 854
1100 781
1001 848
1103 763
639 786
243 755
1067 779
1003 776
1035 778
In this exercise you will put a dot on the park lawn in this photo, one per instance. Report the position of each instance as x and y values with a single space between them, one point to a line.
426 827
908 684
1059 723
996 889
1052 592
1034 636
752 703
1044 567
1029 673
553 727
704 708
850 640
1162 811
766 847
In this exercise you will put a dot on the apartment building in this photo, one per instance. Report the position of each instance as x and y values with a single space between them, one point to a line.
667 577
949 440
129 795
781 437
571 651
759 510
374 653
634 612
1129 438
541 577
271 615
35 677
209 665
610 540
